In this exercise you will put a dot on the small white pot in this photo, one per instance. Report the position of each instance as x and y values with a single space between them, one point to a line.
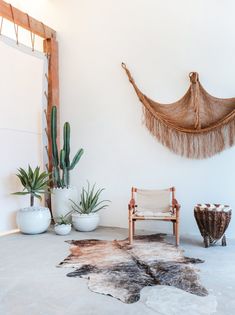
62 229
61 205
33 220
85 222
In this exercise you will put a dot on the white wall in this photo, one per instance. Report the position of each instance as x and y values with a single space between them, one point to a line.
161 41
21 108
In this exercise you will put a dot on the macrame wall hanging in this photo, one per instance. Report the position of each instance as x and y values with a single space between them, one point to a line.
197 126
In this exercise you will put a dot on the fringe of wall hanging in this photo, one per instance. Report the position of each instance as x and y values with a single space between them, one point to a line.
197 126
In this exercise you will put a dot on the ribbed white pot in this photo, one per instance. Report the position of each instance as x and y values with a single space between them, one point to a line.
85 222
62 229
60 203
33 220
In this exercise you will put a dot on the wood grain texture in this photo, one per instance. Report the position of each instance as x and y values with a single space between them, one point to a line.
21 18
212 224
52 50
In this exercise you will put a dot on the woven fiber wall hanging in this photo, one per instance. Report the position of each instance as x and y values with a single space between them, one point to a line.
197 126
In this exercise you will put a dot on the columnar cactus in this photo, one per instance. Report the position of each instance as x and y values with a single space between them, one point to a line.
61 165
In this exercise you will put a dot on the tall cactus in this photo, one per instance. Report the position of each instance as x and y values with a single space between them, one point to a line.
61 165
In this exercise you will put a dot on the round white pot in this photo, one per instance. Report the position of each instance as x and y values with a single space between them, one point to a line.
85 222
33 220
62 229
60 203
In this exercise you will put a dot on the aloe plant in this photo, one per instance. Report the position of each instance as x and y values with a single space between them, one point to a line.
34 182
61 165
63 219
90 202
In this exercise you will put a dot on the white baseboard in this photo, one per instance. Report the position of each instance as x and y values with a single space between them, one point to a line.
9 232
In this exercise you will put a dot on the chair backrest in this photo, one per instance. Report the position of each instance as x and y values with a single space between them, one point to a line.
153 200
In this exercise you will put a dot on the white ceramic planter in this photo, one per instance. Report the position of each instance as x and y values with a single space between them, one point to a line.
62 229
33 220
85 222
61 205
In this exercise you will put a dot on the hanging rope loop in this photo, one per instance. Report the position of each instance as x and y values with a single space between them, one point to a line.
123 65
15 25
32 35
194 77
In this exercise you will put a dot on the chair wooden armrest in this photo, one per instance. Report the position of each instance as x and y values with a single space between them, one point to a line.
131 205
176 206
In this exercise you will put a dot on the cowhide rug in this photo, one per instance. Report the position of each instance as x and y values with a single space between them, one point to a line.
117 269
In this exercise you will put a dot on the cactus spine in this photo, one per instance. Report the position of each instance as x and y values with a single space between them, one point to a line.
61 165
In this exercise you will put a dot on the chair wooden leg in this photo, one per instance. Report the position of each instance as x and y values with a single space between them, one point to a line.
177 235
130 231
173 228
133 227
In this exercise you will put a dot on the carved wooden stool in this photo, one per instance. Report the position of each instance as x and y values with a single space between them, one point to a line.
212 221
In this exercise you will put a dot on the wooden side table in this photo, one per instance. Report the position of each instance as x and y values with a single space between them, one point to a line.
212 221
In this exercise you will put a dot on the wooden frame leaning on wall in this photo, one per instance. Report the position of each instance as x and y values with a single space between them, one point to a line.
50 47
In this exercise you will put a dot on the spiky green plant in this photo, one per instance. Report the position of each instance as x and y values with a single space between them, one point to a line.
61 165
90 202
34 182
63 219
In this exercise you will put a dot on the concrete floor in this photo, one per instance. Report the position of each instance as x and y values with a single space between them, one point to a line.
30 283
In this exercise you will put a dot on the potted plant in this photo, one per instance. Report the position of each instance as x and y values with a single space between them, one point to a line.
61 167
33 219
63 225
85 215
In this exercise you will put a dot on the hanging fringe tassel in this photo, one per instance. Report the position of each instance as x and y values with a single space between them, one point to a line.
192 143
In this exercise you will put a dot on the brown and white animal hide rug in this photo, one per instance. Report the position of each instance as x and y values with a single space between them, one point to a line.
117 269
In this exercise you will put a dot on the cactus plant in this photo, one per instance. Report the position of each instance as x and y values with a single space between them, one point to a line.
61 165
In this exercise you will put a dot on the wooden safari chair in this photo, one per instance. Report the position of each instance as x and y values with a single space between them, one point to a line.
154 205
